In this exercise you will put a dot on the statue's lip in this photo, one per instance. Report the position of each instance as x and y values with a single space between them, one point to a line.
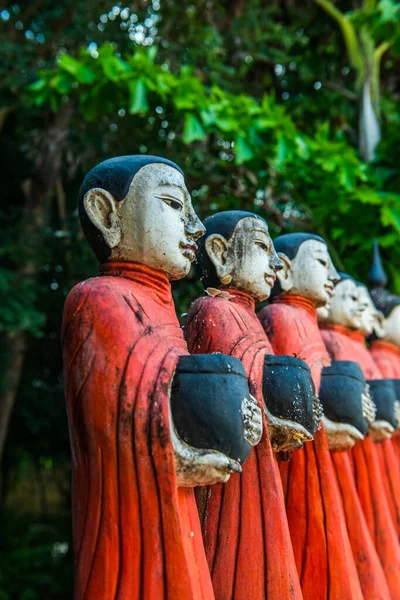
189 248
270 279
329 288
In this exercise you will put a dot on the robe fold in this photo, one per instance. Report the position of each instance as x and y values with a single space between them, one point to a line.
378 500
316 518
136 534
387 358
244 524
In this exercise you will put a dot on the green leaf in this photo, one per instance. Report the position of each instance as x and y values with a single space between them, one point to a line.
243 151
192 129
390 217
37 85
62 82
138 100
79 70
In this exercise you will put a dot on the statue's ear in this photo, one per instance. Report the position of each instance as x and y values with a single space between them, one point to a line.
216 248
379 326
100 207
285 276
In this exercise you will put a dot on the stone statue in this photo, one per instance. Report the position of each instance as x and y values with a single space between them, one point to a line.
385 348
343 333
135 522
244 522
314 506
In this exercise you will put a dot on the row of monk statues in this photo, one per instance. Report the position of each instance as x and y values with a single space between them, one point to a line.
245 455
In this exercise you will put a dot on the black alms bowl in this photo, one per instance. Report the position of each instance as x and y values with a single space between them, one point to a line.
384 395
289 391
396 383
206 400
342 386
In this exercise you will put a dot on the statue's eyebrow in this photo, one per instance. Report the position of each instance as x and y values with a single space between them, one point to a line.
264 231
168 184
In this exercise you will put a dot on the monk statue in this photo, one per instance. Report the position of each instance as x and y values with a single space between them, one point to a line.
385 351
385 347
128 375
343 332
244 523
316 519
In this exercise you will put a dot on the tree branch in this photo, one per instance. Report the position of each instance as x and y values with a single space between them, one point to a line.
340 90
348 31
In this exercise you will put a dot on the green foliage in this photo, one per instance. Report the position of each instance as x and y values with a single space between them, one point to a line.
321 170
35 558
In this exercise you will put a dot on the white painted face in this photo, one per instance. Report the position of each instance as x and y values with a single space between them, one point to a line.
370 316
155 224
323 313
344 306
391 326
310 274
247 261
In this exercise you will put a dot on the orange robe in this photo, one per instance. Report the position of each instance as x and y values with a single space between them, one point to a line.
315 513
387 358
244 524
380 506
136 534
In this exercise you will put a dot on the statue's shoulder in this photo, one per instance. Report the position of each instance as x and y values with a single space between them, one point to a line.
278 313
211 307
96 292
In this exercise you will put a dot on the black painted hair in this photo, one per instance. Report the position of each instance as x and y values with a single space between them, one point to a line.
384 300
289 245
115 176
223 223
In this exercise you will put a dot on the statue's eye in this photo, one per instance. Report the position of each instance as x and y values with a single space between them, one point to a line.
262 246
323 262
172 202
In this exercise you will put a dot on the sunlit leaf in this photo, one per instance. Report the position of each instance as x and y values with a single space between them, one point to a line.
243 152
138 97
192 129
80 71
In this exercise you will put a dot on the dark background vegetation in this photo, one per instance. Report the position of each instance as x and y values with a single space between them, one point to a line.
263 106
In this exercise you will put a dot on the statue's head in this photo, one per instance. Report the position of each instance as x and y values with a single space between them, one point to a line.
371 318
386 303
308 270
344 306
137 208
237 251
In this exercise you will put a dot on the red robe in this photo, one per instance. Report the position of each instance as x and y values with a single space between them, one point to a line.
136 534
373 485
316 520
387 358
244 523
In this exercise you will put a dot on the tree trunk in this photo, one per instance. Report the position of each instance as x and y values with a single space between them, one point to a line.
369 134
16 345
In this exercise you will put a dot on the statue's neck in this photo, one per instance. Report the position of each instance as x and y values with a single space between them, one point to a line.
386 346
156 282
299 301
350 333
240 297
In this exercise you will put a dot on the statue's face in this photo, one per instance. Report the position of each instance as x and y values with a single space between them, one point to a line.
310 274
248 260
392 327
159 226
369 316
344 306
